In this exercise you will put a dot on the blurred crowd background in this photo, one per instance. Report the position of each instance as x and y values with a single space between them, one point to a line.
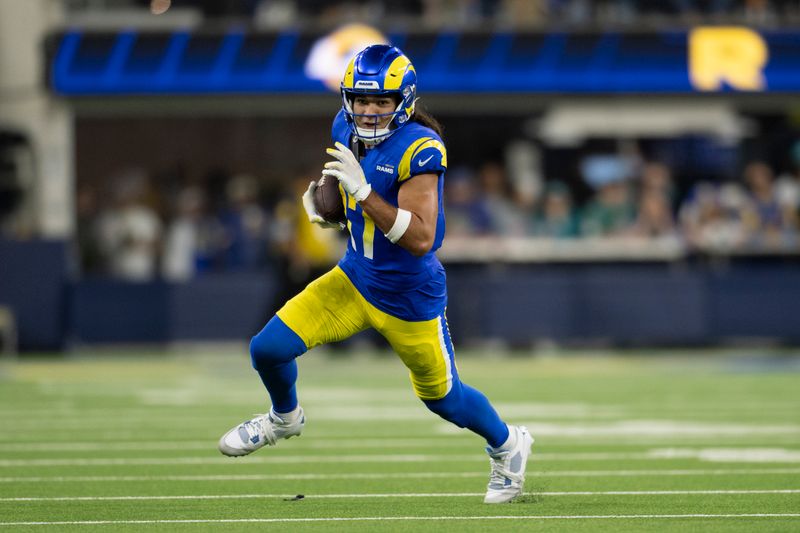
436 14
150 182
138 225
161 213
159 199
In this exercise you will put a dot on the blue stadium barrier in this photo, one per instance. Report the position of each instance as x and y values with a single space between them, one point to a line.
642 304
622 304
220 307
657 303
34 284
756 300
106 311
230 306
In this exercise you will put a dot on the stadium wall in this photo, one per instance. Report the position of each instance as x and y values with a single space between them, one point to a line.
646 303
35 285
625 304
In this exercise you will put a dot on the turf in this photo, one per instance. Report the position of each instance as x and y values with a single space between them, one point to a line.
126 441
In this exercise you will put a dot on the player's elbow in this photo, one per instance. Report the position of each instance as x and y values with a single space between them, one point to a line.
420 247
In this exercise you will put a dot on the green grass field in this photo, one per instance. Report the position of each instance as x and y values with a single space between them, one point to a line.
125 441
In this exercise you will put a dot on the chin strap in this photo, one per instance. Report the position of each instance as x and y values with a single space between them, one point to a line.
371 137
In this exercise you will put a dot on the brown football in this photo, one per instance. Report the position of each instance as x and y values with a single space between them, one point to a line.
328 200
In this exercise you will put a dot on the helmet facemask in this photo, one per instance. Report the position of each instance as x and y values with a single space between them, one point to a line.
372 135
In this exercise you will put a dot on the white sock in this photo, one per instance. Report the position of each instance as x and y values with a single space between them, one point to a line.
290 417
510 442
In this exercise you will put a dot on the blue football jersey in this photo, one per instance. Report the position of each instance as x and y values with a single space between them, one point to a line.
389 277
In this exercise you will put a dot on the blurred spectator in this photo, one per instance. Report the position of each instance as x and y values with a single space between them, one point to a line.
467 212
731 232
700 211
523 13
524 170
787 186
654 216
90 255
611 212
712 217
276 14
303 251
557 218
767 222
246 225
574 12
759 12
657 178
506 218
130 230
458 13
193 237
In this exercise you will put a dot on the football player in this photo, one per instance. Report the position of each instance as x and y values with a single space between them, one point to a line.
390 161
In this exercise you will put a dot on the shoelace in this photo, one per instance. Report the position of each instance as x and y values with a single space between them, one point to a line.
261 426
499 472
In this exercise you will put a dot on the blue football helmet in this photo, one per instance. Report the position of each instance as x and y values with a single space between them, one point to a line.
380 70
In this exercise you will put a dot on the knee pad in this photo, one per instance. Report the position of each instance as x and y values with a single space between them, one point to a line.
274 345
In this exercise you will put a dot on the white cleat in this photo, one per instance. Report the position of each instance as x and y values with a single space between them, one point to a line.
263 430
507 478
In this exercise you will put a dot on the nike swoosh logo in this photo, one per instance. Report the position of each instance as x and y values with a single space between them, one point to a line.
423 162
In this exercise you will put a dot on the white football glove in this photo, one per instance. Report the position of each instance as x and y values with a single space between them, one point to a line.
311 211
348 171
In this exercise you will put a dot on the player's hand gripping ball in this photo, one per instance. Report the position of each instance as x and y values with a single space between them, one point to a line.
323 203
328 200
348 171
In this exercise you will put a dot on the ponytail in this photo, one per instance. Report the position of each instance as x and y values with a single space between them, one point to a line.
422 116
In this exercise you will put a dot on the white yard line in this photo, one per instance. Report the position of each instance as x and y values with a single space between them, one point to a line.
210 444
394 495
377 443
778 455
540 424
400 518
326 459
288 459
403 475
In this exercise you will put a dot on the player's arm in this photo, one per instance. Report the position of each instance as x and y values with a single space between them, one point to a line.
418 196
413 224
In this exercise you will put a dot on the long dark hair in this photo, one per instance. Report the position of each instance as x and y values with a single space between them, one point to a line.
422 116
